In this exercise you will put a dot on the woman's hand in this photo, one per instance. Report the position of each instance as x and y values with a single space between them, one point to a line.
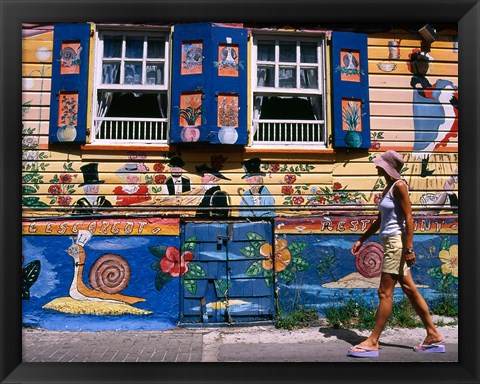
410 258
356 247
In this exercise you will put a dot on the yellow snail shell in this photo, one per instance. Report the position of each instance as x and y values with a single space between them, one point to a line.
110 273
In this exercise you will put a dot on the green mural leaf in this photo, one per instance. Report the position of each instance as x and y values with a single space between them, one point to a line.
436 273
162 279
255 239
27 178
297 248
33 202
155 266
28 189
299 264
190 286
221 287
248 251
158 250
287 275
189 244
446 243
195 271
268 275
31 271
25 291
254 269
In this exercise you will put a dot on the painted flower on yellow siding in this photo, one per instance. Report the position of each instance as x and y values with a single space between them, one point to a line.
450 260
282 255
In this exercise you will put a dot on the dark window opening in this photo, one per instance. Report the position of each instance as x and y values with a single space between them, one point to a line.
287 108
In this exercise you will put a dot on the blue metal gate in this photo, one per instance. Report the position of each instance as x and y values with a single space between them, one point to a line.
226 281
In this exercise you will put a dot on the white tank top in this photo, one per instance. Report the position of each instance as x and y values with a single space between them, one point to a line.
393 221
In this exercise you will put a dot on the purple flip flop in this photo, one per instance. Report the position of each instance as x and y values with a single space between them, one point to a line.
366 352
429 348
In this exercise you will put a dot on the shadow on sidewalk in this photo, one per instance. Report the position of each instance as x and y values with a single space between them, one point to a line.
352 337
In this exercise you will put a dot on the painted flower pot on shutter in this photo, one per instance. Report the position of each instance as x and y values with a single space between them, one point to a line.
353 139
66 134
228 135
190 134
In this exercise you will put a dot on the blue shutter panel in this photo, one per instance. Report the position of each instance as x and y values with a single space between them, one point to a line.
69 92
351 105
209 73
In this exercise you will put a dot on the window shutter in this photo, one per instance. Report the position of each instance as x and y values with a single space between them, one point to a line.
69 92
351 106
209 67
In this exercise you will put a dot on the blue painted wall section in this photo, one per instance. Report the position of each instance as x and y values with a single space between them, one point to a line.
154 273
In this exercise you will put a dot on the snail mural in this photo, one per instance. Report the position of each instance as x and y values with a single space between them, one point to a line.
369 260
108 276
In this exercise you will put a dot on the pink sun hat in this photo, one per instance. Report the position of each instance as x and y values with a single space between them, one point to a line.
391 162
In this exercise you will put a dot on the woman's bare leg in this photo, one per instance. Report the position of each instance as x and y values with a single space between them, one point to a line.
421 308
385 295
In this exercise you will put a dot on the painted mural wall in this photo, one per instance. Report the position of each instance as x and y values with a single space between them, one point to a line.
119 274
413 92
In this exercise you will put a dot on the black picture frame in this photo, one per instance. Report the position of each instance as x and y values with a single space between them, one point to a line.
464 12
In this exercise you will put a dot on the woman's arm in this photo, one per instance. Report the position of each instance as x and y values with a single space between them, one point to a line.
371 230
400 191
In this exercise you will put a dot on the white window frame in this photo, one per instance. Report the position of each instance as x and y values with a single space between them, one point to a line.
144 123
282 125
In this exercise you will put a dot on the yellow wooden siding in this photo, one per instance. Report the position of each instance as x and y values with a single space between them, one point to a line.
340 172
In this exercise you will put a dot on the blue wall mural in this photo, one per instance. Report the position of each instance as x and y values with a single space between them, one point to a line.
151 274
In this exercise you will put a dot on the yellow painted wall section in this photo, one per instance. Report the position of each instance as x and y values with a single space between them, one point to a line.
300 182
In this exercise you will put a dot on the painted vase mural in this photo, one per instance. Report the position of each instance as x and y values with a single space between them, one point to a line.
228 135
190 113
352 118
67 119
228 118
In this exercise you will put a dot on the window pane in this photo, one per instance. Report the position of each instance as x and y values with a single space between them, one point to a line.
133 73
308 52
154 74
111 73
266 76
287 108
112 46
134 47
128 104
266 51
156 48
287 77
287 51
308 78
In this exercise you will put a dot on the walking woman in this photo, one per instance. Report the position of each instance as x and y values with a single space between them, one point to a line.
395 226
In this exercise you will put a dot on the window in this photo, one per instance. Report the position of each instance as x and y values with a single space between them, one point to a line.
288 91
131 88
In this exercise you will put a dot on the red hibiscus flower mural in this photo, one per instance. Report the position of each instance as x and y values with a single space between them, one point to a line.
217 162
287 190
298 200
160 179
159 167
290 179
175 264
65 178
274 167
64 200
337 186
55 189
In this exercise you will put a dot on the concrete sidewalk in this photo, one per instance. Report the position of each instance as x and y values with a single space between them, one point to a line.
228 344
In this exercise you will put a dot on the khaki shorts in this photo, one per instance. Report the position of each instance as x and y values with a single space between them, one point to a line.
393 259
